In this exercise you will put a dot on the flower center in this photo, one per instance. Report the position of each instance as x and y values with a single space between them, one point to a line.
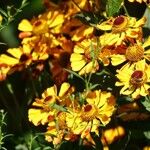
134 53
89 112
64 59
24 57
40 26
119 20
137 78
119 24
37 23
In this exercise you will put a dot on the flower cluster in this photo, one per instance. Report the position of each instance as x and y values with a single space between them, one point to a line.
61 38
71 116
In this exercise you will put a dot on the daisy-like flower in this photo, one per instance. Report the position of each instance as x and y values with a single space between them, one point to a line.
134 79
57 130
134 52
17 58
20 58
48 105
84 57
52 20
122 28
50 110
98 111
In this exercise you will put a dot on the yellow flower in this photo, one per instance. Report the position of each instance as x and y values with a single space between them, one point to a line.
69 7
134 79
134 52
98 110
107 51
84 58
139 1
122 28
1 19
112 134
76 30
48 105
56 128
17 58
4 69
146 147
38 27
39 116
52 20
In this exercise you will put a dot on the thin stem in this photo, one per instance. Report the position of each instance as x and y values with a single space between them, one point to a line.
33 83
125 9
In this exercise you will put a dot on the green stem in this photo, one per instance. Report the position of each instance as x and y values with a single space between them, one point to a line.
125 9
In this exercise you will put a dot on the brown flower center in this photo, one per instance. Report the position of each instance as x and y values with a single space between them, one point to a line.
40 26
89 112
119 24
64 59
119 20
137 78
24 57
134 53
37 23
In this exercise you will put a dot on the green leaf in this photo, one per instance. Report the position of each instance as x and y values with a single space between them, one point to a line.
94 86
113 7
88 17
3 12
58 107
147 134
146 103
74 73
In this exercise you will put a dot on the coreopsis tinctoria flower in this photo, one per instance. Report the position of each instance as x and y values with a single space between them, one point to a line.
133 53
121 29
96 112
134 79
51 110
48 103
85 56
21 57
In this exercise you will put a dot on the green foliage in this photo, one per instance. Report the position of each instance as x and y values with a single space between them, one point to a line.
113 7
10 13
3 135
146 103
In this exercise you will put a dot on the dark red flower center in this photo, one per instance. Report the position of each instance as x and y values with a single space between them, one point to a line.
64 59
87 108
119 20
137 78
24 57
48 98
37 23
137 74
